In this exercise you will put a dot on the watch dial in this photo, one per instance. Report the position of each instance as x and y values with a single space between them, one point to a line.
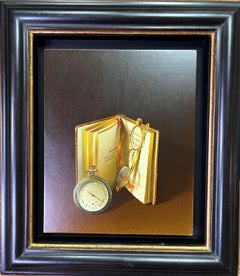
93 196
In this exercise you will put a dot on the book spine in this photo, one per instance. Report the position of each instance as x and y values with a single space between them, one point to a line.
155 170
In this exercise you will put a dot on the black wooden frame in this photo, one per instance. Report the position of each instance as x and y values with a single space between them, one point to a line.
20 254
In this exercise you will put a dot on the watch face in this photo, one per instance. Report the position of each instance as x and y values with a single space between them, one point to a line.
92 195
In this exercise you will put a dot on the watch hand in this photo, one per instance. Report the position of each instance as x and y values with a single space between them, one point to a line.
95 196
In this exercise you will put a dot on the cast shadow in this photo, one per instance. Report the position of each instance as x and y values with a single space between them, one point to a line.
175 174
175 170
120 198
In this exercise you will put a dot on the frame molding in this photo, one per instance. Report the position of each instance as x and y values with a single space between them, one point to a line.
20 22
209 194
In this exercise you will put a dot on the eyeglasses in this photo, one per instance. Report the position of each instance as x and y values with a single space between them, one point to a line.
137 138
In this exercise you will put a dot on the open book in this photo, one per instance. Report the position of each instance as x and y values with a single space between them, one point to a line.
124 153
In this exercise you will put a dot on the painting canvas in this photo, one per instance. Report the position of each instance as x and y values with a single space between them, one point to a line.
158 86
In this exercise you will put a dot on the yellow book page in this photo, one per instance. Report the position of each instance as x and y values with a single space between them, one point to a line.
89 143
79 150
107 141
151 147
148 195
79 145
141 177
152 168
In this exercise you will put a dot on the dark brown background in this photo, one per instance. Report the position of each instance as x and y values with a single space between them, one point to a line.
84 85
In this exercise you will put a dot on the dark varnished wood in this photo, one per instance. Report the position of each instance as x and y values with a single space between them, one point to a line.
17 18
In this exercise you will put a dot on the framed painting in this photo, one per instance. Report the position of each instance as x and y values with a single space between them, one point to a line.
120 142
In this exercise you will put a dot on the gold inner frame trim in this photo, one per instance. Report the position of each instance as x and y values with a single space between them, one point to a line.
123 247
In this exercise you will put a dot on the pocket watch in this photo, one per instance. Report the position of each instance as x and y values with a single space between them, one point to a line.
92 194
